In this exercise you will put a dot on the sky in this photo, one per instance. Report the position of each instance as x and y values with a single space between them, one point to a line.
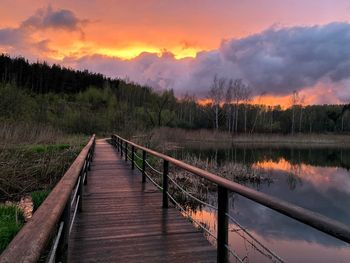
275 46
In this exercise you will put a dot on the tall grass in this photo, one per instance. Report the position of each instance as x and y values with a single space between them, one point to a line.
22 133
38 197
34 157
11 221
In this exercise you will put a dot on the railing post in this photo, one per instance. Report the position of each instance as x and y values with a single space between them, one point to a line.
222 231
143 166
165 183
121 148
117 143
80 190
132 157
62 250
126 151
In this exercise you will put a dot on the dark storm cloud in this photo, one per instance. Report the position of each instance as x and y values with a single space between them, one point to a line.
282 60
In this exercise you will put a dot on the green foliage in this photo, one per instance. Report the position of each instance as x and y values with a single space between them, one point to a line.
41 148
11 221
38 197
15 104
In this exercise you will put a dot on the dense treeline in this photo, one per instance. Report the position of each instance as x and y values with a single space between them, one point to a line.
42 78
82 101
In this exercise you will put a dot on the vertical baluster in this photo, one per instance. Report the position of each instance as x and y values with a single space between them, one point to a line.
143 166
165 183
121 148
89 159
85 171
132 157
222 231
62 249
126 151
80 191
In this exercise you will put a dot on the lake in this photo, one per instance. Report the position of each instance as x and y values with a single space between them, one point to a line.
314 178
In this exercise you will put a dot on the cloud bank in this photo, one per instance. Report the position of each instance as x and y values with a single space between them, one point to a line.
276 61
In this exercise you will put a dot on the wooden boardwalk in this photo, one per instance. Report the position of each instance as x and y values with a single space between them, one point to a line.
123 220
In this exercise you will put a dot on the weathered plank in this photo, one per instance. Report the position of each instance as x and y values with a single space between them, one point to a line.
123 220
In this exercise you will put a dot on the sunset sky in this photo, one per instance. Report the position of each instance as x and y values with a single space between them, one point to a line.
275 46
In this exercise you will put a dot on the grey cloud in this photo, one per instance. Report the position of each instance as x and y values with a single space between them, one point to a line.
50 18
283 60
147 68
11 36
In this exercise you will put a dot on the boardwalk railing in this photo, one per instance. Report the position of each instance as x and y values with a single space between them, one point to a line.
54 218
224 186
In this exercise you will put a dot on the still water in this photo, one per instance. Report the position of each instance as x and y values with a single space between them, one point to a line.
316 179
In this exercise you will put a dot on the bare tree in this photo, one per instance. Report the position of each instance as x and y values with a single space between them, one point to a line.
294 101
301 102
258 111
216 95
311 117
241 93
246 96
188 109
228 101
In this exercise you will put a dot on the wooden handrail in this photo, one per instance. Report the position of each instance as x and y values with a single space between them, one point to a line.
324 224
29 244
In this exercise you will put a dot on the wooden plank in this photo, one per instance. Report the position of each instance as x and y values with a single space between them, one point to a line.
123 219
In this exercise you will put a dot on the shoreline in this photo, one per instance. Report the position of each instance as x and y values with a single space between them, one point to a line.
178 138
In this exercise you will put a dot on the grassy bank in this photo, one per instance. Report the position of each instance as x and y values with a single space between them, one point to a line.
34 158
167 138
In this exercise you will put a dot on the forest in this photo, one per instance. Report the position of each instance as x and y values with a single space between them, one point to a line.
85 102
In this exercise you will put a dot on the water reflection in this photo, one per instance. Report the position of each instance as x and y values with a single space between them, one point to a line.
316 179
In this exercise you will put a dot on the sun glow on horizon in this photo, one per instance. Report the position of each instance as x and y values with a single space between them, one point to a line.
268 100
133 52
78 50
